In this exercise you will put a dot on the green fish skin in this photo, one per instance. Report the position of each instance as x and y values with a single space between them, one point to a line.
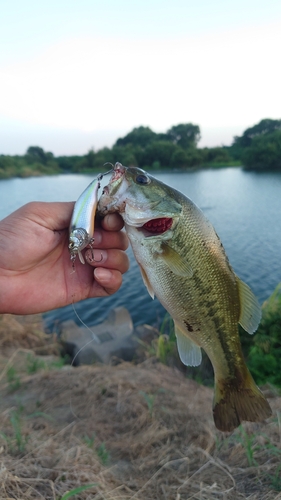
183 263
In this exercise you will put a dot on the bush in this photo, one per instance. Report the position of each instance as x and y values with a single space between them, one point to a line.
263 353
264 152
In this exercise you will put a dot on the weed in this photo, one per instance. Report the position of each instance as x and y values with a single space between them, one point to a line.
263 351
247 441
167 325
149 399
89 441
13 379
34 364
163 347
41 414
276 479
101 450
166 344
151 350
103 454
17 433
60 362
75 491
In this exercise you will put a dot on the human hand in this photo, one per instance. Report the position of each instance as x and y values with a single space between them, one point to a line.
36 273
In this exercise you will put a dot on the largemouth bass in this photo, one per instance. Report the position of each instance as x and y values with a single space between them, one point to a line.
183 263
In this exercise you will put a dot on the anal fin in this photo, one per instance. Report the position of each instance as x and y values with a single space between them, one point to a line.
189 352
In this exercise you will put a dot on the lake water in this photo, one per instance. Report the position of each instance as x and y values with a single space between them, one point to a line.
244 207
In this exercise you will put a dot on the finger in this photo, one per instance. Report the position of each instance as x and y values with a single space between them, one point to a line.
107 282
115 239
111 259
112 222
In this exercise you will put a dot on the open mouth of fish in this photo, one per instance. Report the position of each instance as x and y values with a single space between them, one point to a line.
118 172
158 226
152 227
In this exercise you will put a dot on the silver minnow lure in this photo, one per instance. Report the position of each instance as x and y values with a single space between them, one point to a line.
82 224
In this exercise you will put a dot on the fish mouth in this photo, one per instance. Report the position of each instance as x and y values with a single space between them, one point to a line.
149 228
157 226
117 174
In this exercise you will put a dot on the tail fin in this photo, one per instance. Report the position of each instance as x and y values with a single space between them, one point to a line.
235 401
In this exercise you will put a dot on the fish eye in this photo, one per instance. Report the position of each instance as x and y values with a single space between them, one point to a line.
142 179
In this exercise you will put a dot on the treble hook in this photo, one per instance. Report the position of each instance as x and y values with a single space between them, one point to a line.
93 256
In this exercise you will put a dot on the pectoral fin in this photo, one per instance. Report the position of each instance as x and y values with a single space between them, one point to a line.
177 264
250 312
147 282
189 352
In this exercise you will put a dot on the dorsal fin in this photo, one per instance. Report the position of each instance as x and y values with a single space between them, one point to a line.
250 311
190 353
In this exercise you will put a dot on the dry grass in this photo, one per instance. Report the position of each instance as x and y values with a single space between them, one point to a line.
139 432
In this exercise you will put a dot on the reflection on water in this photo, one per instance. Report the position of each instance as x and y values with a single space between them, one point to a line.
243 206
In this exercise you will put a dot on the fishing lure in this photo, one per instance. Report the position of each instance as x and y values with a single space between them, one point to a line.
82 224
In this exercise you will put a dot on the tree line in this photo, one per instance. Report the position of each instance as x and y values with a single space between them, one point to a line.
258 148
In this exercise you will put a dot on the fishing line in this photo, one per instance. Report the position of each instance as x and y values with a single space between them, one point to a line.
94 339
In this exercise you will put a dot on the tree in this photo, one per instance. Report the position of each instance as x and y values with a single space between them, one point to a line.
7 166
265 126
127 155
185 135
37 154
160 152
139 136
68 163
216 155
103 156
264 152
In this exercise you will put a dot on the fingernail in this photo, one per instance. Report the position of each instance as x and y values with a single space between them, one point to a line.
103 274
111 220
97 237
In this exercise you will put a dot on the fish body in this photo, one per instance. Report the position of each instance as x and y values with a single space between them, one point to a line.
82 224
183 263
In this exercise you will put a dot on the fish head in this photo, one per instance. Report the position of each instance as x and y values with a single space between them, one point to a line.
142 200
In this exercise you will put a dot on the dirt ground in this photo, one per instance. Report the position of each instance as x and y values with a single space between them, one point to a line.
131 431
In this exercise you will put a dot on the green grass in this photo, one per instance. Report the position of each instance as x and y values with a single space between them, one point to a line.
17 441
100 450
33 364
13 379
248 443
75 491
149 399
103 454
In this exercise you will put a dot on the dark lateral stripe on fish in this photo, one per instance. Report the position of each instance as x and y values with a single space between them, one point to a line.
158 225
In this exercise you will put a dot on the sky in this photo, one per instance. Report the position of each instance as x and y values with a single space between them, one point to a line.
78 74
